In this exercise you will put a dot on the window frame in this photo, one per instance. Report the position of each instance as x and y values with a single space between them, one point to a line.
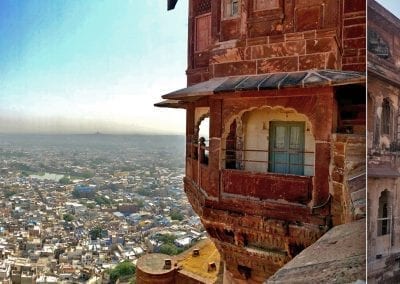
288 151
384 222
227 9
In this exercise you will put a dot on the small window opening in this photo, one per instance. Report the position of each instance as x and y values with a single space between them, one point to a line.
384 213
231 8
203 150
230 152
385 121
235 7
244 271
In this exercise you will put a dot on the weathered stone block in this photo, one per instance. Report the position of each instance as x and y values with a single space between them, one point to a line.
286 64
354 43
337 191
313 61
309 34
332 61
337 175
308 18
294 36
227 55
276 38
354 31
321 45
350 52
351 6
339 148
339 160
279 50
354 21
230 29
235 68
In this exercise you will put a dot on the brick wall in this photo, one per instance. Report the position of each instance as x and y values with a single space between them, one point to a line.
354 35
288 35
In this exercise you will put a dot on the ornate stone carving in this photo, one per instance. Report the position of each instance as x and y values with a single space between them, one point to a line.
378 45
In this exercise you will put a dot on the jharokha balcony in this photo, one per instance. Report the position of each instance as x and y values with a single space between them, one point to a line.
250 177
268 185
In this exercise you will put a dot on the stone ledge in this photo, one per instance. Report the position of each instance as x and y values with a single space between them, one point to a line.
337 257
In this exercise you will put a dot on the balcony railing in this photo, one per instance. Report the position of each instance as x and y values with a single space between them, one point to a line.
259 161
273 186
251 176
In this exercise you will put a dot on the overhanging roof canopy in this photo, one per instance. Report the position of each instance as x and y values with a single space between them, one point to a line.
273 81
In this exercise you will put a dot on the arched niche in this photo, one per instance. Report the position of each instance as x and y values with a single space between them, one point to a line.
251 132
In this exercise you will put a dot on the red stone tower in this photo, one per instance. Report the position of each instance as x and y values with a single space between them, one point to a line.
281 84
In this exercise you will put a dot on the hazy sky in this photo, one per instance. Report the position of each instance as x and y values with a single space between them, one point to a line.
90 65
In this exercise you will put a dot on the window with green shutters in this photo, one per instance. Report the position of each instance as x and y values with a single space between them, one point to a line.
286 147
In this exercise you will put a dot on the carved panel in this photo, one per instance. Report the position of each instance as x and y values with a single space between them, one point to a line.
203 32
202 7
265 5
377 45
308 18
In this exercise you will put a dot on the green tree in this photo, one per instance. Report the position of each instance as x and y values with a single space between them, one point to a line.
97 232
90 205
64 180
86 174
169 249
167 238
68 217
123 269
176 215
9 192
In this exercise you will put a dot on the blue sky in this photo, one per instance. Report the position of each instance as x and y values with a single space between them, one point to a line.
392 5
90 65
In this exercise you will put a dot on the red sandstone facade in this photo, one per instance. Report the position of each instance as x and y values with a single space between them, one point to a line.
280 82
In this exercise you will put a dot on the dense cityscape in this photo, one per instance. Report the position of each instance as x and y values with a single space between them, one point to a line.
76 208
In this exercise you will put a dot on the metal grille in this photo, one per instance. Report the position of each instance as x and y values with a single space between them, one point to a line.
202 7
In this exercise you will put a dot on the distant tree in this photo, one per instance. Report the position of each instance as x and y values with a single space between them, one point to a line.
97 232
9 192
167 238
24 174
139 203
68 217
176 215
87 174
101 200
23 167
168 249
113 187
123 269
145 192
65 180
90 205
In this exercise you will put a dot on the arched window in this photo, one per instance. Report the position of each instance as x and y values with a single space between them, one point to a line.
271 140
385 118
384 214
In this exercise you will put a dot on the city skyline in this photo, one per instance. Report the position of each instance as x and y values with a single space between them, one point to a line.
84 66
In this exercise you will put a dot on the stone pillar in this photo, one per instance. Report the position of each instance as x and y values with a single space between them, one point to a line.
215 146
